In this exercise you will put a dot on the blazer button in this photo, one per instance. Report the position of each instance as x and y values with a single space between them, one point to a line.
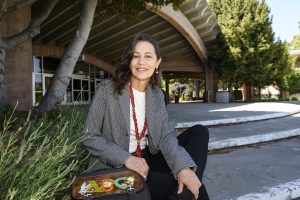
127 134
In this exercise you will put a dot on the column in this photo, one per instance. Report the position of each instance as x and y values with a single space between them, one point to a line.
18 65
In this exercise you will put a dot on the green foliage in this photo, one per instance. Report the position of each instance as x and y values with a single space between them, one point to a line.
182 90
296 42
246 42
282 66
187 81
187 94
292 82
40 154
178 88
129 9
294 99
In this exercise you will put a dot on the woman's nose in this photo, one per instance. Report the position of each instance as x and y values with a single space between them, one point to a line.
142 60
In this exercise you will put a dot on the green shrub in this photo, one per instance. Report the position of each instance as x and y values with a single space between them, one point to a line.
178 88
294 99
40 154
187 94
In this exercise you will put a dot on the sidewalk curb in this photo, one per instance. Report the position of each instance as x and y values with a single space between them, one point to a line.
254 139
235 120
287 190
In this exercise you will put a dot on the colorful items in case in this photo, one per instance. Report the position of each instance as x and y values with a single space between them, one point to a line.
91 187
106 185
124 182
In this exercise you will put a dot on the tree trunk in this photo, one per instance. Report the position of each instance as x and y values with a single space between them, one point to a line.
197 89
63 74
259 92
230 83
15 7
2 81
247 91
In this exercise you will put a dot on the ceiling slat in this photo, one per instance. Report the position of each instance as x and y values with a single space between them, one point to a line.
109 37
120 32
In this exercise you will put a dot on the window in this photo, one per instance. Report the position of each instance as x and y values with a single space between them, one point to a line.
37 64
38 88
81 89
50 64
37 68
83 84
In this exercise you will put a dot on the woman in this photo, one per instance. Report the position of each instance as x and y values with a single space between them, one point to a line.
127 124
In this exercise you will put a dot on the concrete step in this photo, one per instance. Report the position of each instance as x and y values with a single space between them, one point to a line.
220 114
264 172
255 132
282 191
254 139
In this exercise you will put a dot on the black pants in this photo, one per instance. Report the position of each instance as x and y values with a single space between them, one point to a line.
161 181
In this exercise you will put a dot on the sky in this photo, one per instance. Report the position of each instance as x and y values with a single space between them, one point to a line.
286 15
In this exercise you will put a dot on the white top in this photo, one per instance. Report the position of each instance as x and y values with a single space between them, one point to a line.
139 100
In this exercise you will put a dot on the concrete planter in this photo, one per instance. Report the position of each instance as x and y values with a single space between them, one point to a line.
222 97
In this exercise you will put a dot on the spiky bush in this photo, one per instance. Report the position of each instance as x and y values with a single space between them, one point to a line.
40 154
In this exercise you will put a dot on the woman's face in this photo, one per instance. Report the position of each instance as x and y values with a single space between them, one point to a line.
144 61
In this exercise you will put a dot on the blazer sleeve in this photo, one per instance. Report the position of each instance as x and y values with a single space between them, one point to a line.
93 139
175 155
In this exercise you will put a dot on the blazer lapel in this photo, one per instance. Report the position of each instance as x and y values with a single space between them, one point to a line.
150 108
124 101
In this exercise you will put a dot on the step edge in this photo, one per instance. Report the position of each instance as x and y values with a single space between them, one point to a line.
288 190
253 139
235 120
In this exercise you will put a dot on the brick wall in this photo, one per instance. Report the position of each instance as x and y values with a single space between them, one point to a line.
18 65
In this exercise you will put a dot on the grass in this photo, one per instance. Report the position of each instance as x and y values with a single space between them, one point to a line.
40 154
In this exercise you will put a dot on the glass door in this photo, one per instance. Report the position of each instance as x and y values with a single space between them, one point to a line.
80 89
47 80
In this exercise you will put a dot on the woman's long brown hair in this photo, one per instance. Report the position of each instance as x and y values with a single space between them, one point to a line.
123 72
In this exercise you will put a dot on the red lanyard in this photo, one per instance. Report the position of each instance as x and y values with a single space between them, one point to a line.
138 136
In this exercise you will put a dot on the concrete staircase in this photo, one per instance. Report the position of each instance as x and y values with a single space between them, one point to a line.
256 156
263 162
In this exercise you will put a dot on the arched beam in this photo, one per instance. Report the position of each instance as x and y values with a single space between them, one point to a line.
184 26
51 50
188 64
99 63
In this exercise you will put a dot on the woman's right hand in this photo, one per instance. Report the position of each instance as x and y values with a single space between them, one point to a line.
139 165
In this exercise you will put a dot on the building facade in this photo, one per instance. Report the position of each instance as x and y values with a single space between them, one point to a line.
185 37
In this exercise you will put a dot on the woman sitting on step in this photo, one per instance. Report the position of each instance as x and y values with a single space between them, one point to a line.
127 125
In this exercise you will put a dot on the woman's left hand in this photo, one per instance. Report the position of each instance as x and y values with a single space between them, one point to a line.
138 165
188 178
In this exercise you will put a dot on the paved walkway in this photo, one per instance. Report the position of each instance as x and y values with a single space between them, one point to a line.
254 173
263 171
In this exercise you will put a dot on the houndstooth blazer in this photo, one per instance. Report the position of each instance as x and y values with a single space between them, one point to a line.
108 125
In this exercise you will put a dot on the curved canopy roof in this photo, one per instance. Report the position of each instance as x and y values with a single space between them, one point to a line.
108 37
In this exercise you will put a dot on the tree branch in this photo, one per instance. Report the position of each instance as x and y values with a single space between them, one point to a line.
18 5
64 71
39 14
